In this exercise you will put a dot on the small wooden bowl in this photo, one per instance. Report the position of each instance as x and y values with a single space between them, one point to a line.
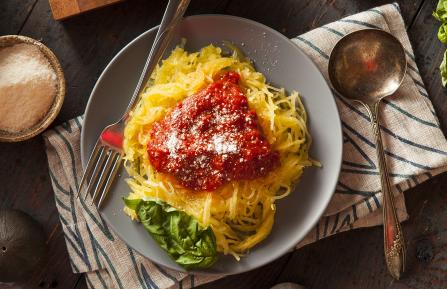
5 136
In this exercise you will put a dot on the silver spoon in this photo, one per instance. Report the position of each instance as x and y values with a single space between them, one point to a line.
366 66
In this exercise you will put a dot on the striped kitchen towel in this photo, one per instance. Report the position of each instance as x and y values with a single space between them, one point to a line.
415 148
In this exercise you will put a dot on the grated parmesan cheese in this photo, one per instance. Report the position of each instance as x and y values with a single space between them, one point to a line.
27 87
241 213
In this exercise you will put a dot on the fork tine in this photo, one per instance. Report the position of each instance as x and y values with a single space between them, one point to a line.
104 174
116 166
88 170
96 171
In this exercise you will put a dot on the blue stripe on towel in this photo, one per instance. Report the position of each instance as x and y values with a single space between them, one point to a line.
135 266
375 173
61 204
338 33
163 271
313 46
406 113
100 223
90 283
376 201
346 222
350 191
97 246
147 278
362 153
103 283
358 22
56 183
72 157
377 11
75 220
334 226
368 205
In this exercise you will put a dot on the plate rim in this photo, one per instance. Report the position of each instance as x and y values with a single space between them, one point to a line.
312 224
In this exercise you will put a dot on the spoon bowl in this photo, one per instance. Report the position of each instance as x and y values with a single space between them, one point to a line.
367 65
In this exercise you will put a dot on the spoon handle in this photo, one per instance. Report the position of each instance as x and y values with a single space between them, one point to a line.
394 243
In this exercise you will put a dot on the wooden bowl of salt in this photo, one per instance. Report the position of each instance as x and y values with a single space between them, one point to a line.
32 88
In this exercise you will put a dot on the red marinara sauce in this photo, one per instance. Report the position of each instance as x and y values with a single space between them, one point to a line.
211 138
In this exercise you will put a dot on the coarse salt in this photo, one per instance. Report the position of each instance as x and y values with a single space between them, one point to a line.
27 87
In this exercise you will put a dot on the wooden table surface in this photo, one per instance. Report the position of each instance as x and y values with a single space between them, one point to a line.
86 43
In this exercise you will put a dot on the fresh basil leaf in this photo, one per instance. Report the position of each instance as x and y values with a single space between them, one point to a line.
179 234
442 33
441 11
443 69
132 203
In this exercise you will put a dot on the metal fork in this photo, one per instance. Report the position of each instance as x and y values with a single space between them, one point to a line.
106 158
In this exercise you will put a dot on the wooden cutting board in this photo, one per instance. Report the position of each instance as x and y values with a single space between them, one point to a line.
65 8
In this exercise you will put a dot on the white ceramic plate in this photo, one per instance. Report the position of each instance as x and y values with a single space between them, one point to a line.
284 65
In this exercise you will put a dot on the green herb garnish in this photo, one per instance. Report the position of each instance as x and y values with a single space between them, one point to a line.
178 233
441 11
441 14
443 69
442 33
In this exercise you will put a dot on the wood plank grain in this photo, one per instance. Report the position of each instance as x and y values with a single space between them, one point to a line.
13 14
427 236
292 17
355 259
429 52
426 230
349 260
85 5
264 277
26 186
63 9
86 43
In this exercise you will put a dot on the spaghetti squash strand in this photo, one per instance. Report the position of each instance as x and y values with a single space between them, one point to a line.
241 213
